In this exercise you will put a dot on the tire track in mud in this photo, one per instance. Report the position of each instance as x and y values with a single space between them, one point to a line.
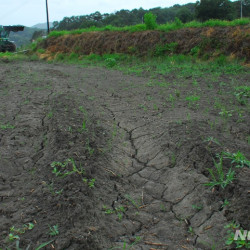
147 165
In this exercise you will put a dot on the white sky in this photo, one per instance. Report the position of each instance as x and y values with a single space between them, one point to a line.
31 12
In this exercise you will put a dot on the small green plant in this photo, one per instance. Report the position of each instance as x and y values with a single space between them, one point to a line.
242 94
197 207
12 237
52 189
50 115
190 230
192 100
211 139
110 62
63 169
168 48
195 51
53 231
119 211
226 113
129 198
162 208
237 158
239 243
218 176
15 233
225 203
171 99
6 126
91 182
150 21
23 229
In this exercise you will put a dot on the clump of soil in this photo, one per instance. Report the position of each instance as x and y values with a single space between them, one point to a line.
210 41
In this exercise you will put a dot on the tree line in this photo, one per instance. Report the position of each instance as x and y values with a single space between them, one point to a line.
201 10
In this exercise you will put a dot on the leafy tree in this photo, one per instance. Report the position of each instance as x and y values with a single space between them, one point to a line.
214 9
185 15
150 21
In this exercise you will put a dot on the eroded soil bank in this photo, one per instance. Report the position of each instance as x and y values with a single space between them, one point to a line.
141 153
208 42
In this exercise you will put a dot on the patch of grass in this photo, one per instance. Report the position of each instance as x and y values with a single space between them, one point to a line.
168 48
242 94
192 100
119 211
219 178
237 158
6 126
226 113
151 24
62 169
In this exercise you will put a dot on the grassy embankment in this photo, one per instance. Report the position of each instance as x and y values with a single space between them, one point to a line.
177 24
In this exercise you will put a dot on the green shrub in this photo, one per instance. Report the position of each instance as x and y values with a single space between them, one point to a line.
73 56
41 51
168 48
178 22
110 62
60 57
150 21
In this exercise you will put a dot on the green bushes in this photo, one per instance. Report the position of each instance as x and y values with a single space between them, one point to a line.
150 21
150 24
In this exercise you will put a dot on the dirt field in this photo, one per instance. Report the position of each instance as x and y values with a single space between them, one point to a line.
91 158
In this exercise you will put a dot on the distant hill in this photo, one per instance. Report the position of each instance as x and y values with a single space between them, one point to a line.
23 38
42 26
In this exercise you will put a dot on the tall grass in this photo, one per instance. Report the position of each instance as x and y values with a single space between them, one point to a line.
177 24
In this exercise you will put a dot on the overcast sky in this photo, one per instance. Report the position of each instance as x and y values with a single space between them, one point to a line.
31 12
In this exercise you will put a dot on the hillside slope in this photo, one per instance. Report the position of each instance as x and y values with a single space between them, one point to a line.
208 41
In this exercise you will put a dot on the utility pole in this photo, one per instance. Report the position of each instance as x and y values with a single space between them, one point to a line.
47 11
241 9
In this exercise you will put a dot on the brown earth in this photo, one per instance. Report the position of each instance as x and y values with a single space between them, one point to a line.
148 155
212 41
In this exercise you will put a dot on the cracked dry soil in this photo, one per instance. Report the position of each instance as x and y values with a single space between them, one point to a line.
149 159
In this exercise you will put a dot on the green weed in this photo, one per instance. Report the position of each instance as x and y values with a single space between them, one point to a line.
63 169
197 207
91 182
118 211
6 126
226 113
161 50
219 178
53 231
133 202
211 139
237 158
242 94
225 203
192 100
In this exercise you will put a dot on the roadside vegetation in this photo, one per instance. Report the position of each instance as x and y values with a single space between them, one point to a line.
150 24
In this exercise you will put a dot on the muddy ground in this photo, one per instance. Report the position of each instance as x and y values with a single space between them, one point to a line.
132 157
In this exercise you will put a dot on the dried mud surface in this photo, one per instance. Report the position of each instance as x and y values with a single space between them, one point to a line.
149 159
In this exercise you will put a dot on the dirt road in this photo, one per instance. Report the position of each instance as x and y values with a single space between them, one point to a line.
91 158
